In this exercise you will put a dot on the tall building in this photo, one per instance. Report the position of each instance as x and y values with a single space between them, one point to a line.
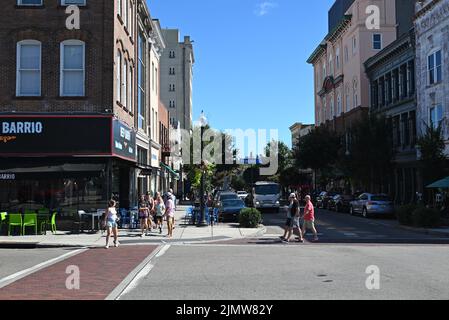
299 130
341 85
177 77
76 105
432 66
392 81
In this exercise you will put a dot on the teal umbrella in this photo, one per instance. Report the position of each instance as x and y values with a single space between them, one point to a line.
441 184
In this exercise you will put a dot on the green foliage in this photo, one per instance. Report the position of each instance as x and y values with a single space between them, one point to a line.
432 154
251 175
318 149
237 183
250 218
404 214
426 218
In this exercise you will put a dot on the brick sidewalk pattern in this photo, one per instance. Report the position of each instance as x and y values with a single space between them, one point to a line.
101 271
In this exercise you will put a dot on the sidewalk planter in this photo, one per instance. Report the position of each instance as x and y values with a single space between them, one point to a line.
426 218
250 218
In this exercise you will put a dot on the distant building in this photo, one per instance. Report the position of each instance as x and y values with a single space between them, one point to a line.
341 86
299 130
177 77
432 61
391 73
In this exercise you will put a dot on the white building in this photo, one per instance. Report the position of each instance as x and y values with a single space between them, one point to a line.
432 65
176 78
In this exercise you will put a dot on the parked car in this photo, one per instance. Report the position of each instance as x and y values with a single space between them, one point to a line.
369 204
323 199
227 195
242 195
340 203
229 210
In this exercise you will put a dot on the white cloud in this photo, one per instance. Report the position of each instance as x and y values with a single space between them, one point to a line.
264 8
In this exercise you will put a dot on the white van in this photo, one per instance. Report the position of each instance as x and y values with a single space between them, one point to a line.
266 195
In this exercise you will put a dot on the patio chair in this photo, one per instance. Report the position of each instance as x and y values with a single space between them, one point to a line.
79 221
15 220
189 214
30 220
2 220
49 223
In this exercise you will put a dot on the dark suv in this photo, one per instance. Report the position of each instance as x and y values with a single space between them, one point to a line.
323 199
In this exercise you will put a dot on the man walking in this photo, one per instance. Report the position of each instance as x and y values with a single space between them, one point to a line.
309 218
293 220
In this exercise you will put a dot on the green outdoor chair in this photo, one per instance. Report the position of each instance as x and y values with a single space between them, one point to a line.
51 223
2 220
15 220
30 220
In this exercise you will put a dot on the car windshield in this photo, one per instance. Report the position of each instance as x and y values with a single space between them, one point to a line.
228 196
267 189
233 203
380 198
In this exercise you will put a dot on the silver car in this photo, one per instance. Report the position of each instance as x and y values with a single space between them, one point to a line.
369 204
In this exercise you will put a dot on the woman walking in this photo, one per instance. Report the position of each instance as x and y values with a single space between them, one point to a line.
111 223
143 215
160 211
170 215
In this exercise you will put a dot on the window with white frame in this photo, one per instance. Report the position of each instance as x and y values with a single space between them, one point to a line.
436 115
331 65
337 59
435 67
126 13
355 94
118 75
72 68
119 7
125 83
346 54
339 111
75 2
377 41
29 63
131 87
354 45
324 71
332 108
29 2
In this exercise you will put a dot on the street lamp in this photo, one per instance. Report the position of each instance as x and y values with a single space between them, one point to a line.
203 124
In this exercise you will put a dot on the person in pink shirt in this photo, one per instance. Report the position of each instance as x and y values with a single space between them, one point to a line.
309 218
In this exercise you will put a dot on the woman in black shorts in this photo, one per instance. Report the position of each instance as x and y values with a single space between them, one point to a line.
143 214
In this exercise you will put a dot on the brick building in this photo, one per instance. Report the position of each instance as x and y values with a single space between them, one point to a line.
75 103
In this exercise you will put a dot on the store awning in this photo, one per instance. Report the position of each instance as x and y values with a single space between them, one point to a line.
441 184
173 172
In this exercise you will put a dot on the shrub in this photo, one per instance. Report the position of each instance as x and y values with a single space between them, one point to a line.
426 218
250 218
404 214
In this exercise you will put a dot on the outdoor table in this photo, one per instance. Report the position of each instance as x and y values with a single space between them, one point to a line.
94 215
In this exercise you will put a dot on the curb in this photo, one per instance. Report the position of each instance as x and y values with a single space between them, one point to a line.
37 245
425 231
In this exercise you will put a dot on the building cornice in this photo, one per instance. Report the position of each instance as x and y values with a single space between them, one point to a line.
426 8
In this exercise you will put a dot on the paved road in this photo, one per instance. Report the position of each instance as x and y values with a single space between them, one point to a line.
219 272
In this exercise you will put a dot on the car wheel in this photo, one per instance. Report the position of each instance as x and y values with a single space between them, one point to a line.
351 211
365 213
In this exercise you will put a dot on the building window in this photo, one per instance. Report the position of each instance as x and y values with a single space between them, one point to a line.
337 59
76 2
72 68
119 76
346 54
156 79
436 115
141 82
331 66
332 109
354 45
131 89
435 68
377 41
172 104
356 102
324 71
119 7
172 54
29 3
126 13
172 88
125 83
29 68
339 111
152 76
171 71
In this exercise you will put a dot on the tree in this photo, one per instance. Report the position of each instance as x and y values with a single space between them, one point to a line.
433 159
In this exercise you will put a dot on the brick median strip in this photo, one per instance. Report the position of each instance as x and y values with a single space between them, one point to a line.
101 271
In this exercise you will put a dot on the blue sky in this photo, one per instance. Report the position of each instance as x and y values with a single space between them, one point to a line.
250 69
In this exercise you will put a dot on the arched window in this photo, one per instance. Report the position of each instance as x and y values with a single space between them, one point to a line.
29 65
72 82
119 76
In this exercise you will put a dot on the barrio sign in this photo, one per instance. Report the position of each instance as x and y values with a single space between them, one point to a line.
20 127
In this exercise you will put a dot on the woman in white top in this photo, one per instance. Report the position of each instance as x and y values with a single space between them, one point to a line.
111 223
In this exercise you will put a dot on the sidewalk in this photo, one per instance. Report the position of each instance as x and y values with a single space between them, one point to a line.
181 234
